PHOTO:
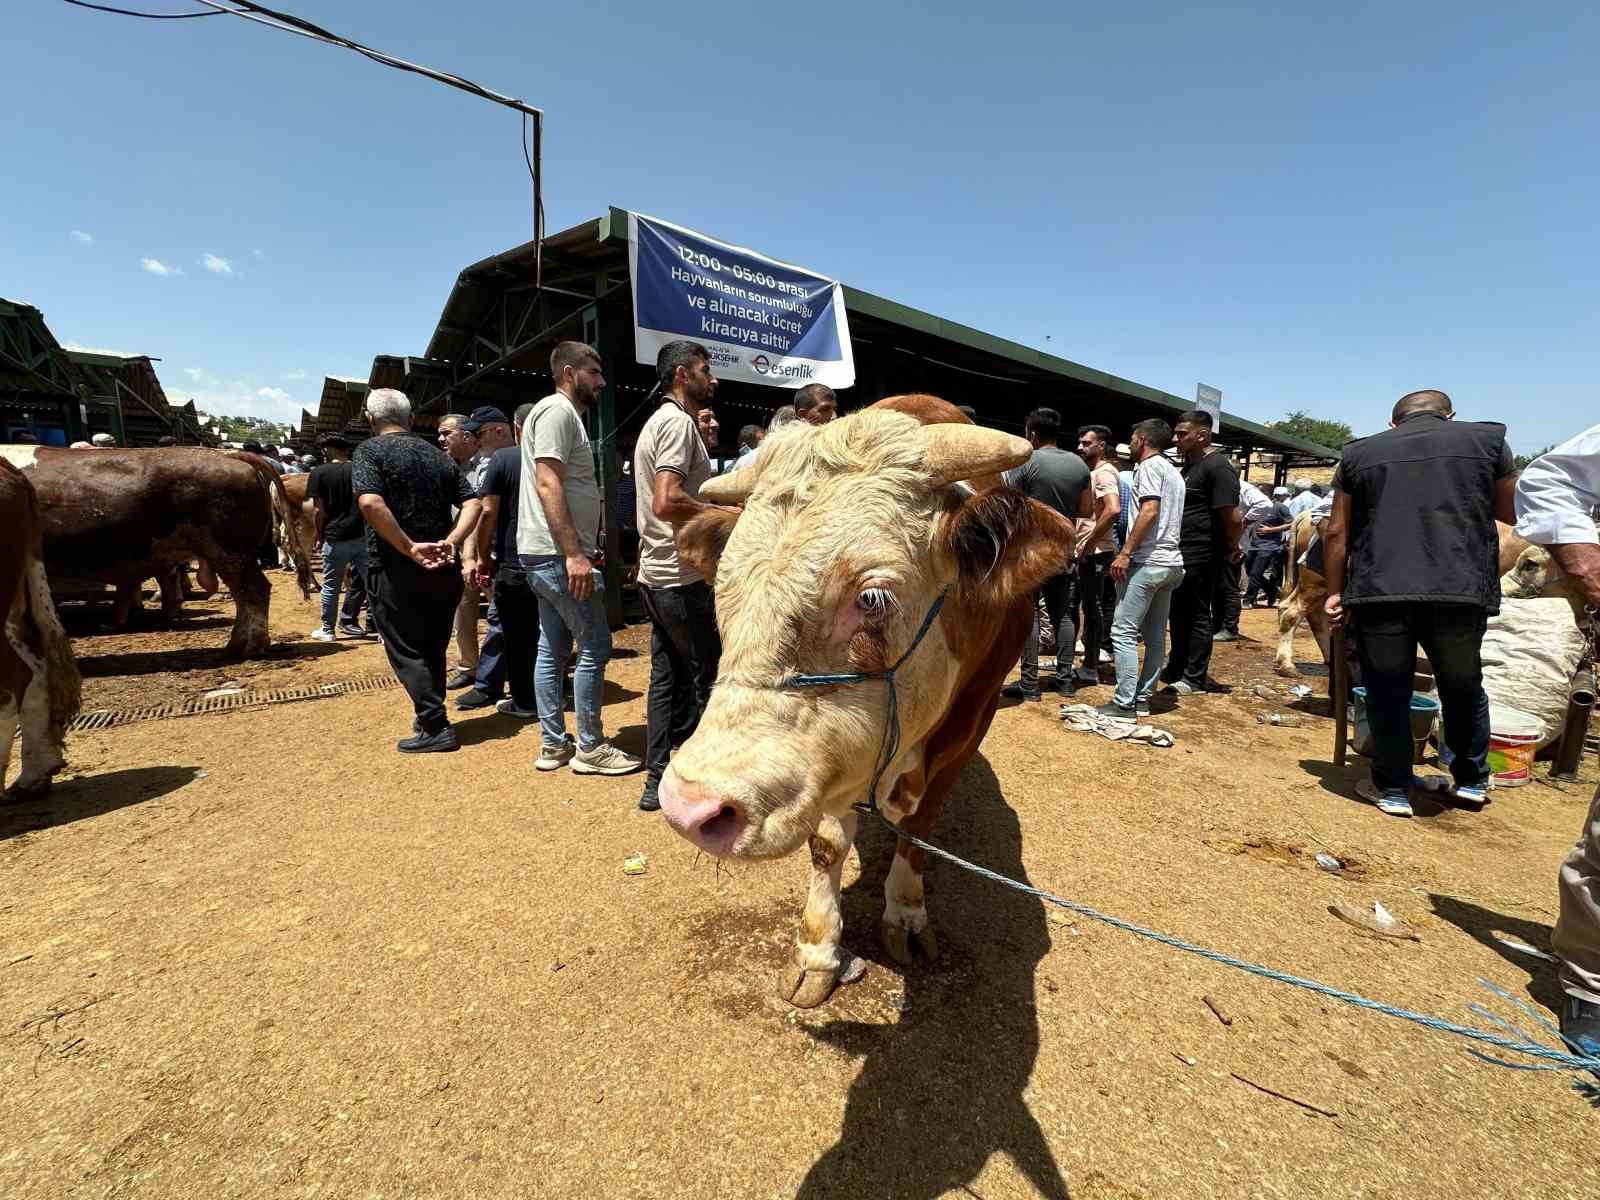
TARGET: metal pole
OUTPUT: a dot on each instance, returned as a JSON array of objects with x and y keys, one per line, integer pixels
[{"x": 602, "y": 336}]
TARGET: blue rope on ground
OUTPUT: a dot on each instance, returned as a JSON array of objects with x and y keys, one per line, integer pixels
[{"x": 1552, "y": 1060}]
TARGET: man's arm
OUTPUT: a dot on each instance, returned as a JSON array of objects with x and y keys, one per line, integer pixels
[
  {"x": 1335, "y": 533},
  {"x": 321, "y": 508},
  {"x": 549, "y": 477},
  {"x": 1581, "y": 562},
  {"x": 1232, "y": 521},
  {"x": 466, "y": 522},
  {"x": 488, "y": 518},
  {"x": 670, "y": 500},
  {"x": 1505, "y": 500},
  {"x": 1107, "y": 509},
  {"x": 377, "y": 514},
  {"x": 1143, "y": 522}
]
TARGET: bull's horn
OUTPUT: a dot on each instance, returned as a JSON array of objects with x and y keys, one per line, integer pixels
[
  {"x": 732, "y": 488},
  {"x": 960, "y": 452}
]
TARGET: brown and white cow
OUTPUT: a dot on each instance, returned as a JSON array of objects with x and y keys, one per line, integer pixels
[
  {"x": 848, "y": 534},
  {"x": 301, "y": 524},
  {"x": 39, "y": 682},
  {"x": 1531, "y": 570},
  {"x": 123, "y": 516}
]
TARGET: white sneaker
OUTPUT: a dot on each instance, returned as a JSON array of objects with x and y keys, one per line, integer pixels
[
  {"x": 509, "y": 707},
  {"x": 604, "y": 759},
  {"x": 553, "y": 758},
  {"x": 322, "y": 634}
]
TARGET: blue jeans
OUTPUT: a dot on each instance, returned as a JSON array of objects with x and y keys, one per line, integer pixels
[
  {"x": 561, "y": 620},
  {"x": 490, "y": 678},
  {"x": 1143, "y": 603},
  {"x": 335, "y": 557}
]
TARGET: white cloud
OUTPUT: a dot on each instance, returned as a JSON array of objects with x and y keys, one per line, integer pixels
[
  {"x": 97, "y": 350},
  {"x": 294, "y": 376},
  {"x": 234, "y": 397},
  {"x": 217, "y": 265},
  {"x": 156, "y": 267},
  {"x": 276, "y": 395},
  {"x": 79, "y": 235}
]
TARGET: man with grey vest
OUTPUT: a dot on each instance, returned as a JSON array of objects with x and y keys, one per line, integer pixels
[
  {"x": 1411, "y": 553},
  {"x": 1060, "y": 479}
]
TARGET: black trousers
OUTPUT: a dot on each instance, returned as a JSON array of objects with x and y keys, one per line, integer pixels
[
  {"x": 518, "y": 609},
  {"x": 1098, "y": 593},
  {"x": 1189, "y": 658},
  {"x": 1060, "y": 594},
  {"x": 685, "y": 649},
  {"x": 1387, "y": 635},
  {"x": 415, "y": 612},
  {"x": 1266, "y": 569},
  {"x": 1226, "y": 605}
]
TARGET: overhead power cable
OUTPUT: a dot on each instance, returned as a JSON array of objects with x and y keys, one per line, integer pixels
[
  {"x": 149, "y": 16},
  {"x": 289, "y": 23}
]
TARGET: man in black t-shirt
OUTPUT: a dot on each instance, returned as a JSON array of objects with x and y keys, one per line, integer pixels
[
  {"x": 511, "y": 667},
  {"x": 406, "y": 488},
  {"x": 1411, "y": 551},
  {"x": 343, "y": 537},
  {"x": 1209, "y": 540}
]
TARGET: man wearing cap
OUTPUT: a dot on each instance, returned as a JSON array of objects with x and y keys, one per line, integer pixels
[
  {"x": 508, "y": 652},
  {"x": 343, "y": 534},
  {"x": 490, "y": 431},
  {"x": 1304, "y": 497},
  {"x": 1263, "y": 558}
]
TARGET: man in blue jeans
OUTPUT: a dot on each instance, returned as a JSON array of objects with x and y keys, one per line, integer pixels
[
  {"x": 1147, "y": 572},
  {"x": 344, "y": 540},
  {"x": 558, "y": 529},
  {"x": 1411, "y": 552}
]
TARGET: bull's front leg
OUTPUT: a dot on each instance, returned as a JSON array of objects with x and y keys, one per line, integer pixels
[
  {"x": 811, "y": 977},
  {"x": 905, "y": 914},
  {"x": 1290, "y": 610}
]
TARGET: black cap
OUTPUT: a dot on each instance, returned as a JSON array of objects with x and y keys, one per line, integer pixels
[{"x": 487, "y": 415}]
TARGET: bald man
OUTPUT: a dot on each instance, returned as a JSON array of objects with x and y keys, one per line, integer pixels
[{"x": 1412, "y": 555}]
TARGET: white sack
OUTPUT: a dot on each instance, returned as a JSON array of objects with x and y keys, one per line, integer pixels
[{"x": 1530, "y": 651}]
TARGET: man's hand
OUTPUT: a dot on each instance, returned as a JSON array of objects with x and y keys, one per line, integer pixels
[
  {"x": 1334, "y": 607},
  {"x": 580, "y": 576},
  {"x": 1119, "y": 568},
  {"x": 432, "y": 555},
  {"x": 1236, "y": 554}
]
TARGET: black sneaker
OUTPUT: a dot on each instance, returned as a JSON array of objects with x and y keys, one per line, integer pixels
[
  {"x": 1015, "y": 691},
  {"x": 650, "y": 801},
  {"x": 430, "y": 743},
  {"x": 475, "y": 699},
  {"x": 354, "y": 631},
  {"x": 460, "y": 680},
  {"x": 1217, "y": 689}
]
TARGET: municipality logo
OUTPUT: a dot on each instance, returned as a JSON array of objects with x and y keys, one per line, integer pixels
[{"x": 761, "y": 363}]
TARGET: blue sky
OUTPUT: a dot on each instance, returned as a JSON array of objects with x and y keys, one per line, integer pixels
[{"x": 1308, "y": 209}]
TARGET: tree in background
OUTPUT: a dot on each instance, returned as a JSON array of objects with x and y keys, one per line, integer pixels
[
  {"x": 1522, "y": 460},
  {"x": 1332, "y": 434}
]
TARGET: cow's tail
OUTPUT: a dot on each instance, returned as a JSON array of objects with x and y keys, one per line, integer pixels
[
  {"x": 61, "y": 668},
  {"x": 1299, "y": 543},
  {"x": 282, "y": 516}
]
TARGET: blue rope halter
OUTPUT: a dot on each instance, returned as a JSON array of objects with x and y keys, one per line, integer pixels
[{"x": 890, "y": 745}]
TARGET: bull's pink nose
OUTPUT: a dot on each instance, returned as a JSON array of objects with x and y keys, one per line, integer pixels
[{"x": 708, "y": 820}]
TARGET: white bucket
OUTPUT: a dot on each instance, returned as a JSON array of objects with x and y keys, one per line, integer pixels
[{"x": 1514, "y": 738}]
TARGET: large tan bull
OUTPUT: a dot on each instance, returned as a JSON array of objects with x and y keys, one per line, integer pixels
[
  {"x": 848, "y": 535},
  {"x": 1531, "y": 570}
]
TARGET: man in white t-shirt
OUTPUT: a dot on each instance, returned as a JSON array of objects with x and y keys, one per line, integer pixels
[
  {"x": 558, "y": 531},
  {"x": 1147, "y": 571},
  {"x": 1097, "y": 546},
  {"x": 670, "y": 464}
]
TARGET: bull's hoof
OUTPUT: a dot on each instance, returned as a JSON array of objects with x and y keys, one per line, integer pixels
[
  {"x": 1289, "y": 672},
  {"x": 28, "y": 791},
  {"x": 806, "y": 988},
  {"x": 898, "y": 941}
]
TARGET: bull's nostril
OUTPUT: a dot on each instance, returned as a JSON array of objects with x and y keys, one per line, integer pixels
[{"x": 724, "y": 826}]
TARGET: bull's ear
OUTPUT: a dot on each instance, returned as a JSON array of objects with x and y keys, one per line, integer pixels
[
  {"x": 701, "y": 539},
  {"x": 959, "y": 452},
  {"x": 732, "y": 488},
  {"x": 1005, "y": 545}
]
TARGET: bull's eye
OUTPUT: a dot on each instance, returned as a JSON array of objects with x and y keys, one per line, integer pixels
[{"x": 875, "y": 601}]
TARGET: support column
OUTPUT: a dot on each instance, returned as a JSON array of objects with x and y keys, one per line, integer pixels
[{"x": 602, "y": 335}]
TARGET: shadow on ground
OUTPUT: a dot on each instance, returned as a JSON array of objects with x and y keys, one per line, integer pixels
[
  {"x": 89, "y": 796},
  {"x": 209, "y": 658},
  {"x": 940, "y": 1091},
  {"x": 1482, "y": 924}
]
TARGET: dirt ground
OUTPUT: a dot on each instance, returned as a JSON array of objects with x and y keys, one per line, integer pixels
[{"x": 261, "y": 954}]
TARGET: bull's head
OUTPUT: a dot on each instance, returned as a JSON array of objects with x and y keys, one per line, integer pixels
[{"x": 847, "y": 535}]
